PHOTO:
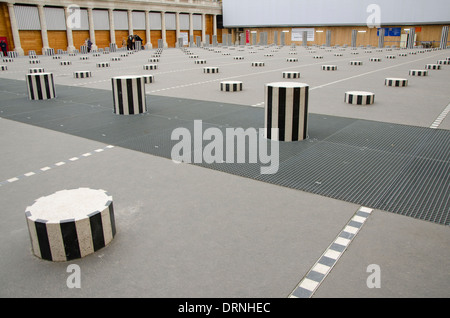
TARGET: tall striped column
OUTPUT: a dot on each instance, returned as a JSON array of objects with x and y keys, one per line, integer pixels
[
  {"x": 286, "y": 110},
  {"x": 70, "y": 224},
  {"x": 40, "y": 86},
  {"x": 444, "y": 37},
  {"x": 129, "y": 94},
  {"x": 381, "y": 38},
  {"x": 354, "y": 35},
  {"x": 411, "y": 36}
]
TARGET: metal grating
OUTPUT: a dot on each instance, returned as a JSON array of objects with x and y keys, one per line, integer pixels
[{"x": 396, "y": 168}]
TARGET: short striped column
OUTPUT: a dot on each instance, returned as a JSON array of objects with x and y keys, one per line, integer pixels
[
  {"x": 211, "y": 69},
  {"x": 356, "y": 63},
  {"x": 432, "y": 66},
  {"x": 318, "y": 56},
  {"x": 396, "y": 82},
  {"x": 329, "y": 67},
  {"x": 56, "y": 57},
  {"x": 129, "y": 94},
  {"x": 190, "y": 56},
  {"x": 286, "y": 111},
  {"x": 84, "y": 58},
  {"x": 291, "y": 74},
  {"x": 292, "y": 59},
  {"x": 200, "y": 61},
  {"x": 34, "y": 61},
  {"x": 338, "y": 54},
  {"x": 443, "y": 62},
  {"x": 418, "y": 72},
  {"x": 231, "y": 86},
  {"x": 390, "y": 57},
  {"x": 153, "y": 60},
  {"x": 375, "y": 59},
  {"x": 402, "y": 54},
  {"x": 103, "y": 64},
  {"x": 148, "y": 79},
  {"x": 36, "y": 70},
  {"x": 40, "y": 86},
  {"x": 3, "y": 68},
  {"x": 257, "y": 63},
  {"x": 150, "y": 66},
  {"x": 70, "y": 224},
  {"x": 8, "y": 59},
  {"x": 115, "y": 58},
  {"x": 359, "y": 98},
  {"x": 82, "y": 74},
  {"x": 65, "y": 63},
  {"x": 96, "y": 54},
  {"x": 238, "y": 58}
]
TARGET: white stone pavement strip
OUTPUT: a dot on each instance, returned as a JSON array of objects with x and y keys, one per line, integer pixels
[
  {"x": 50, "y": 167},
  {"x": 441, "y": 117},
  {"x": 316, "y": 275}
]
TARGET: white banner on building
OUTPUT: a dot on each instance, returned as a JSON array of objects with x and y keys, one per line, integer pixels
[{"x": 297, "y": 34}]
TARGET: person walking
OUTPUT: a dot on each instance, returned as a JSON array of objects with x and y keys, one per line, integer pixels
[{"x": 3, "y": 48}]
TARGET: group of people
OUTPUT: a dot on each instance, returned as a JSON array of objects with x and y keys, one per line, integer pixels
[{"x": 131, "y": 40}]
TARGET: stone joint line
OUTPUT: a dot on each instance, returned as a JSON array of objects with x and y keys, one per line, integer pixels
[
  {"x": 50, "y": 167},
  {"x": 317, "y": 274}
]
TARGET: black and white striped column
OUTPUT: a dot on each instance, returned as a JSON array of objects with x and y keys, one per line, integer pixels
[
  {"x": 356, "y": 63},
  {"x": 150, "y": 66},
  {"x": 396, "y": 82},
  {"x": 82, "y": 74},
  {"x": 432, "y": 66},
  {"x": 411, "y": 38},
  {"x": 40, "y": 86},
  {"x": 359, "y": 98},
  {"x": 231, "y": 86},
  {"x": 444, "y": 37},
  {"x": 257, "y": 64},
  {"x": 418, "y": 72},
  {"x": 211, "y": 69},
  {"x": 3, "y": 68},
  {"x": 70, "y": 224},
  {"x": 381, "y": 38},
  {"x": 129, "y": 95},
  {"x": 329, "y": 67},
  {"x": 286, "y": 111},
  {"x": 291, "y": 74},
  {"x": 328, "y": 38},
  {"x": 36, "y": 70},
  {"x": 103, "y": 64},
  {"x": 354, "y": 35}
]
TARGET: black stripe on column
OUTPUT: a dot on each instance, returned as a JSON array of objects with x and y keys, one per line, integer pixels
[
  {"x": 359, "y": 99},
  {"x": 281, "y": 113},
  {"x": 38, "y": 86},
  {"x": 114, "y": 94},
  {"x": 120, "y": 95},
  {"x": 139, "y": 93},
  {"x": 130, "y": 95},
  {"x": 70, "y": 239},
  {"x": 47, "y": 85},
  {"x": 44, "y": 244},
  {"x": 30, "y": 86},
  {"x": 305, "y": 119},
  {"x": 269, "y": 112},
  {"x": 296, "y": 114},
  {"x": 112, "y": 219},
  {"x": 95, "y": 220}
]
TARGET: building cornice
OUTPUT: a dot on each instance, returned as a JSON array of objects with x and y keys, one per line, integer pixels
[{"x": 196, "y": 6}]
